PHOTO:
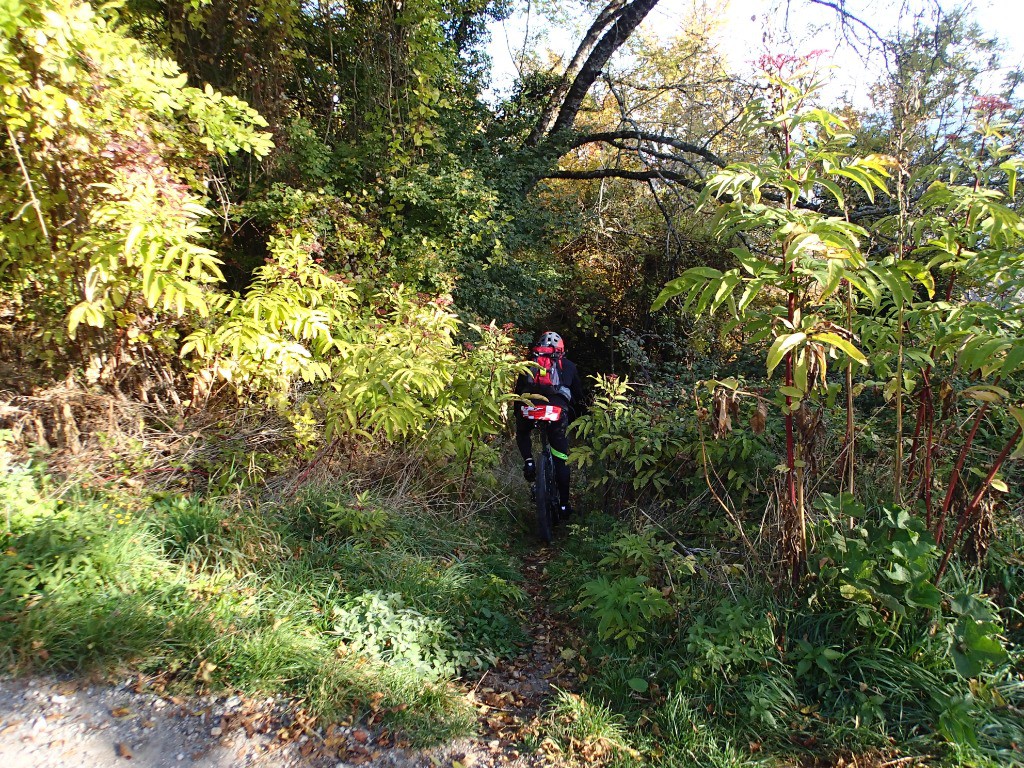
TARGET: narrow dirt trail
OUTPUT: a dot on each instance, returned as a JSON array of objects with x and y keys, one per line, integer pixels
[
  {"x": 511, "y": 697},
  {"x": 67, "y": 722}
]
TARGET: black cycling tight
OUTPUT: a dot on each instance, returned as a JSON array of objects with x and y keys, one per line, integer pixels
[{"x": 559, "y": 442}]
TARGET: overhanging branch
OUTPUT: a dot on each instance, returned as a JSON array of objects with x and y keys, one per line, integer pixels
[
  {"x": 610, "y": 13},
  {"x": 696, "y": 185},
  {"x": 655, "y": 138},
  {"x": 623, "y": 173},
  {"x": 626, "y": 19}
]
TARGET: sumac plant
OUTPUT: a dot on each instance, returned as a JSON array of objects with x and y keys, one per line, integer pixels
[
  {"x": 346, "y": 363},
  {"x": 817, "y": 289},
  {"x": 105, "y": 156}
]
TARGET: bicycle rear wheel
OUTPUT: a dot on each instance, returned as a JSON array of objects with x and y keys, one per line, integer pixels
[
  {"x": 553, "y": 500},
  {"x": 544, "y": 484}
]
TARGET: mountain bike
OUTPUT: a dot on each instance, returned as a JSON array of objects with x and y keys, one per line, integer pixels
[{"x": 544, "y": 491}]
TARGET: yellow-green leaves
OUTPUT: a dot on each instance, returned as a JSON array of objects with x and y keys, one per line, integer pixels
[
  {"x": 870, "y": 173},
  {"x": 843, "y": 345},
  {"x": 112, "y": 150},
  {"x": 384, "y": 366},
  {"x": 781, "y": 347},
  {"x": 702, "y": 288}
]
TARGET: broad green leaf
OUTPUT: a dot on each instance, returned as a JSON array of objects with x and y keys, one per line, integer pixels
[
  {"x": 75, "y": 317},
  {"x": 839, "y": 342},
  {"x": 835, "y": 189},
  {"x": 781, "y": 346},
  {"x": 1014, "y": 358}
]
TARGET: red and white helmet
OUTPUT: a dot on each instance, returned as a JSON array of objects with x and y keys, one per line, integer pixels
[{"x": 550, "y": 339}]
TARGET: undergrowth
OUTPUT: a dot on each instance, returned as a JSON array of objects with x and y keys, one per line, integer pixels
[
  {"x": 355, "y": 603},
  {"x": 726, "y": 668}
]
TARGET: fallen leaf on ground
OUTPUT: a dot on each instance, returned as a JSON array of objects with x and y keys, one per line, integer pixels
[{"x": 123, "y": 750}]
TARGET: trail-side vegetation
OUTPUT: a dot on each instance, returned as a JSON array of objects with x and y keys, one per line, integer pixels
[
  {"x": 348, "y": 599},
  {"x": 901, "y": 622},
  {"x": 265, "y": 276}
]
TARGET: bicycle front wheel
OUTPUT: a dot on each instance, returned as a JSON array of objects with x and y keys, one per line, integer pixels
[{"x": 544, "y": 483}]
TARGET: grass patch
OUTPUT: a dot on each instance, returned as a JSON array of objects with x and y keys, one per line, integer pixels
[
  {"x": 347, "y": 601},
  {"x": 588, "y": 731}
]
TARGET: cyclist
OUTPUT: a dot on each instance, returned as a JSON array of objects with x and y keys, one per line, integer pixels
[{"x": 555, "y": 378}]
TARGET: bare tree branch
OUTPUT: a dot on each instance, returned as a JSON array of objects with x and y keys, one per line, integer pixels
[
  {"x": 846, "y": 18},
  {"x": 695, "y": 185},
  {"x": 655, "y": 138},
  {"x": 583, "y": 51},
  {"x": 623, "y": 173},
  {"x": 667, "y": 156}
]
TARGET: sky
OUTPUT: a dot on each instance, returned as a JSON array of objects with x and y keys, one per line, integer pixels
[{"x": 744, "y": 25}]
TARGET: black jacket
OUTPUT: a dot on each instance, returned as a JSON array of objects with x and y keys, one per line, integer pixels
[{"x": 570, "y": 379}]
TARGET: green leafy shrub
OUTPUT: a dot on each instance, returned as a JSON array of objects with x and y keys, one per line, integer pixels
[
  {"x": 734, "y": 639},
  {"x": 386, "y": 365},
  {"x": 640, "y": 446},
  {"x": 624, "y": 607},
  {"x": 626, "y": 446},
  {"x": 885, "y": 565},
  {"x": 344, "y": 231},
  {"x": 104, "y": 184},
  {"x": 358, "y": 518},
  {"x": 883, "y": 571},
  {"x": 643, "y": 553},
  {"x": 383, "y": 628}
]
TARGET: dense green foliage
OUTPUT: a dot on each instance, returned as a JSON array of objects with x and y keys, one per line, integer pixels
[
  {"x": 103, "y": 217},
  {"x": 806, "y": 503},
  {"x": 882, "y": 639},
  {"x": 867, "y": 654}
]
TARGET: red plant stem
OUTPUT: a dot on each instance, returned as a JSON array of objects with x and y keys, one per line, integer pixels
[
  {"x": 928, "y": 413},
  {"x": 952, "y": 279},
  {"x": 321, "y": 455},
  {"x": 790, "y": 439},
  {"x": 968, "y": 513},
  {"x": 926, "y": 472},
  {"x": 954, "y": 477},
  {"x": 791, "y": 448},
  {"x": 917, "y": 439},
  {"x": 795, "y": 502},
  {"x": 927, "y": 410}
]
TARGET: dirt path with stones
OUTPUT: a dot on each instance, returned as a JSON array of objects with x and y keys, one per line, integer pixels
[
  {"x": 66, "y": 722},
  {"x": 511, "y": 697}
]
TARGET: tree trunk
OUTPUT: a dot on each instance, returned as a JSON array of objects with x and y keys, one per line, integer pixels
[{"x": 591, "y": 56}]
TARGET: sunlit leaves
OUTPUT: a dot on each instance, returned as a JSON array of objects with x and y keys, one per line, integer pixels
[
  {"x": 383, "y": 366},
  {"x": 102, "y": 225},
  {"x": 806, "y": 254},
  {"x": 781, "y": 347}
]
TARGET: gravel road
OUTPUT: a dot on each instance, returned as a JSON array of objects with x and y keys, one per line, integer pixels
[{"x": 49, "y": 722}]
